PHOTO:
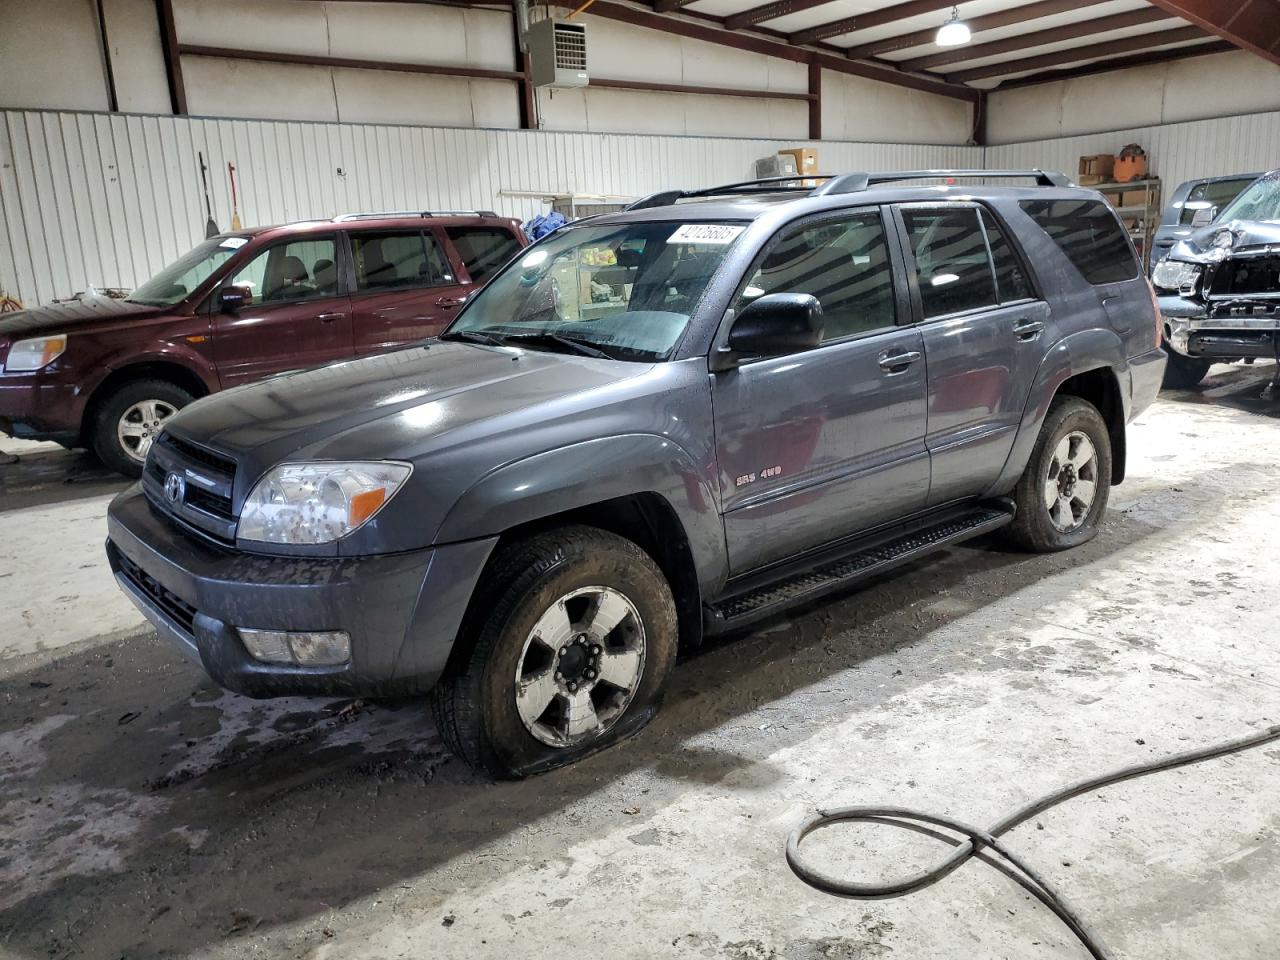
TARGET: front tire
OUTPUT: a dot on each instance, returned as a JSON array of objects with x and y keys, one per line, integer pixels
[
  {"x": 571, "y": 654},
  {"x": 128, "y": 421},
  {"x": 1063, "y": 491},
  {"x": 1183, "y": 373}
]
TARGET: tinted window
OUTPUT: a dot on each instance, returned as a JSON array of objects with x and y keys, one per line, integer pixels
[
  {"x": 1089, "y": 234},
  {"x": 1011, "y": 281},
  {"x": 297, "y": 270},
  {"x": 1206, "y": 196},
  {"x": 482, "y": 249},
  {"x": 394, "y": 261},
  {"x": 952, "y": 265},
  {"x": 844, "y": 263}
]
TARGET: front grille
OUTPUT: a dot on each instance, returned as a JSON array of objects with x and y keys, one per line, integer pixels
[
  {"x": 189, "y": 451},
  {"x": 202, "y": 502},
  {"x": 1247, "y": 276},
  {"x": 173, "y": 606}
]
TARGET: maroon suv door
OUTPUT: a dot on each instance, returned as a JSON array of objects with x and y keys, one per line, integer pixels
[
  {"x": 299, "y": 315},
  {"x": 406, "y": 288}
]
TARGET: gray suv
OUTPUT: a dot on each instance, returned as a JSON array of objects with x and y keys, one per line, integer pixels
[{"x": 650, "y": 427}]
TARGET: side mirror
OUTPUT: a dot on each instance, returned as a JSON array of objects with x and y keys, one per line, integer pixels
[
  {"x": 1204, "y": 216},
  {"x": 235, "y": 296},
  {"x": 773, "y": 325}
]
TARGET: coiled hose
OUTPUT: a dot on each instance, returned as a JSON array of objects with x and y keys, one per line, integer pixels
[{"x": 978, "y": 838}]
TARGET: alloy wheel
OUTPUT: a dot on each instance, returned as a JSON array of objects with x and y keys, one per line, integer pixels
[
  {"x": 1071, "y": 481},
  {"x": 140, "y": 424},
  {"x": 580, "y": 666}
]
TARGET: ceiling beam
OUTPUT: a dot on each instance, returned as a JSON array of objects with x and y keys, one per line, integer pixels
[
  {"x": 1119, "y": 63},
  {"x": 875, "y": 18},
  {"x": 1038, "y": 38},
  {"x": 1093, "y": 51},
  {"x": 1252, "y": 25},
  {"x": 695, "y": 30},
  {"x": 770, "y": 11},
  {"x": 992, "y": 21}
]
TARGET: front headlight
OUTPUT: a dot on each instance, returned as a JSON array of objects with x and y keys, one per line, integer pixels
[
  {"x": 1175, "y": 274},
  {"x": 35, "y": 354},
  {"x": 318, "y": 502}
]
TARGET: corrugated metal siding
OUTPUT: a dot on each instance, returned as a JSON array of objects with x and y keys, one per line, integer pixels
[
  {"x": 110, "y": 199},
  {"x": 1176, "y": 151}
]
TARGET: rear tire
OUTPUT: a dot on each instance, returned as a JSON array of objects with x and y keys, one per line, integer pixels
[
  {"x": 569, "y": 654},
  {"x": 129, "y": 419},
  {"x": 1063, "y": 491},
  {"x": 1183, "y": 373}
]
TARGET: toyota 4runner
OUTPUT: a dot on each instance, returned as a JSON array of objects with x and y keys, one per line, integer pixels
[{"x": 651, "y": 426}]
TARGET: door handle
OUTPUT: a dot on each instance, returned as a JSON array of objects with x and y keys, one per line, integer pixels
[
  {"x": 451, "y": 301},
  {"x": 330, "y": 317},
  {"x": 1028, "y": 330},
  {"x": 892, "y": 363}
]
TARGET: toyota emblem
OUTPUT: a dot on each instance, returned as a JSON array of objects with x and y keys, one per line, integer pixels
[{"x": 174, "y": 488}]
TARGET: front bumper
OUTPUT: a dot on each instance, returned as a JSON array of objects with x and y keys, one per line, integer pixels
[
  {"x": 402, "y": 611},
  {"x": 33, "y": 408},
  {"x": 1191, "y": 333}
]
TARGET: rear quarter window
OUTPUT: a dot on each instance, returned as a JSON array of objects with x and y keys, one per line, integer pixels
[{"x": 1090, "y": 236}]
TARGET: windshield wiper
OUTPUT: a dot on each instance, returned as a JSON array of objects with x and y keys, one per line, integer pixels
[
  {"x": 472, "y": 336},
  {"x": 575, "y": 345}
]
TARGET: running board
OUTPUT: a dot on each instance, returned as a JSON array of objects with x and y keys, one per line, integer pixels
[{"x": 865, "y": 561}]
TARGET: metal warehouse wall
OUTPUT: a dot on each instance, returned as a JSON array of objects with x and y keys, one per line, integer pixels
[
  {"x": 1176, "y": 151},
  {"x": 109, "y": 199}
]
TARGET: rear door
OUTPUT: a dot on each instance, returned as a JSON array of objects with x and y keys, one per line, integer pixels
[
  {"x": 299, "y": 315},
  {"x": 404, "y": 288},
  {"x": 815, "y": 446},
  {"x": 983, "y": 330}
]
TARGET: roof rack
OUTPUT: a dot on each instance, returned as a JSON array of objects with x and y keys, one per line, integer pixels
[
  {"x": 384, "y": 214},
  {"x": 845, "y": 183}
]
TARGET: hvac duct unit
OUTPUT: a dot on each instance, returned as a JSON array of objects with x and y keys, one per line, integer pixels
[{"x": 558, "y": 50}]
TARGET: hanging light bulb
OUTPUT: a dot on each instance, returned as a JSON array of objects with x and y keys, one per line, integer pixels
[{"x": 954, "y": 32}]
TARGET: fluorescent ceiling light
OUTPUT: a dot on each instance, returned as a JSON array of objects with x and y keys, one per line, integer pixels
[{"x": 954, "y": 32}]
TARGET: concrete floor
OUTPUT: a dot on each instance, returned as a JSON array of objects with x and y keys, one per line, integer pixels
[{"x": 145, "y": 813}]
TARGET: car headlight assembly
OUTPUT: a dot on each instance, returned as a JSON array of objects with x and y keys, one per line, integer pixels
[
  {"x": 35, "y": 354},
  {"x": 1175, "y": 274},
  {"x": 319, "y": 502}
]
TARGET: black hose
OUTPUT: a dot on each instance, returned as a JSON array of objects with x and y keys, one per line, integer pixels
[{"x": 978, "y": 838}]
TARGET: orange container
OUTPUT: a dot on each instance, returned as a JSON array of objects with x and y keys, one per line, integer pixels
[{"x": 1131, "y": 164}]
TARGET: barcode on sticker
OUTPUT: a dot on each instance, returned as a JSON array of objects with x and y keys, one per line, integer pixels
[
  {"x": 705, "y": 233},
  {"x": 233, "y": 243}
]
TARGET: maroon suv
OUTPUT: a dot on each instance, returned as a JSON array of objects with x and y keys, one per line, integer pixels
[{"x": 241, "y": 306}]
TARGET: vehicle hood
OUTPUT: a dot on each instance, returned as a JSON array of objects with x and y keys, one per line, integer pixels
[
  {"x": 1209, "y": 244},
  {"x": 396, "y": 406},
  {"x": 65, "y": 317}
]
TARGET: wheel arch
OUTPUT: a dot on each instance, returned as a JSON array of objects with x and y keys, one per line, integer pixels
[
  {"x": 176, "y": 373},
  {"x": 1090, "y": 364}
]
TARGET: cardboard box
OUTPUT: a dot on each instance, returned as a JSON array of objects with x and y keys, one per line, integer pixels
[
  {"x": 1097, "y": 168},
  {"x": 806, "y": 159}
]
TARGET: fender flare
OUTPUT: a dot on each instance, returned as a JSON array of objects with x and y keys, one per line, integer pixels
[
  {"x": 583, "y": 474},
  {"x": 1077, "y": 353}
]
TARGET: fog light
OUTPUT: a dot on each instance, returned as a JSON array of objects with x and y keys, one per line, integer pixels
[{"x": 307, "y": 649}]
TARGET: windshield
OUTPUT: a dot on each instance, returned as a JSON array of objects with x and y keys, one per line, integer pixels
[
  {"x": 177, "y": 280},
  {"x": 626, "y": 292},
  {"x": 1261, "y": 201}
]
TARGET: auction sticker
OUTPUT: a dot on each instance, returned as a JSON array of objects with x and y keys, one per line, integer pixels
[
  {"x": 714, "y": 233},
  {"x": 234, "y": 243}
]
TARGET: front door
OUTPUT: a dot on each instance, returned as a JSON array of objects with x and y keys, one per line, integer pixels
[
  {"x": 984, "y": 330},
  {"x": 405, "y": 290},
  {"x": 298, "y": 314},
  {"x": 819, "y": 445}
]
